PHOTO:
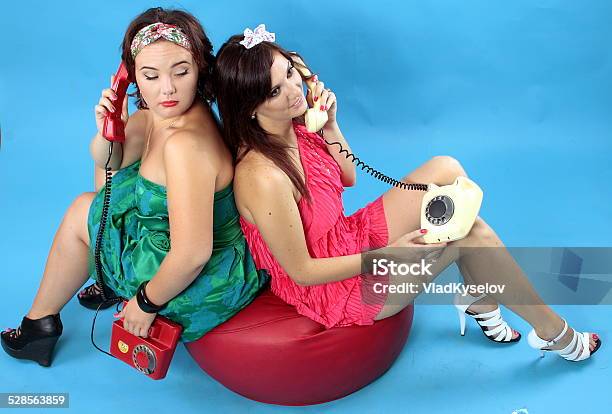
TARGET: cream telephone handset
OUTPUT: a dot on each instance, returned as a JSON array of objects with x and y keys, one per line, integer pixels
[
  {"x": 448, "y": 212},
  {"x": 315, "y": 118}
]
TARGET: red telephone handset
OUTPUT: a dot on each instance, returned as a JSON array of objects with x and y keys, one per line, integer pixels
[{"x": 114, "y": 129}]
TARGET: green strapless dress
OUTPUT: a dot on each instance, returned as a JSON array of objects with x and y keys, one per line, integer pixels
[{"x": 137, "y": 238}]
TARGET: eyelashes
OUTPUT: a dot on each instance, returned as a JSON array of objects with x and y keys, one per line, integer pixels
[{"x": 155, "y": 77}]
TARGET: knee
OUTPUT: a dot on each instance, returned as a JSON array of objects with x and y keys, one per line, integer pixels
[
  {"x": 448, "y": 168},
  {"x": 482, "y": 234}
]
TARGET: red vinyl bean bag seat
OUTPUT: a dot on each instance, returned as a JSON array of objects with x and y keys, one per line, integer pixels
[{"x": 270, "y": 353}]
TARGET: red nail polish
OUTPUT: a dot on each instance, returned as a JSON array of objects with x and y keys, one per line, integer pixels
[
  {"x": 116, "y": 315},
  {"x": 323, "y": 108},
  {"x": 316, "y": 98},
  {"x": 595, "y": 336},
  {"x": 423, "y": 231}
]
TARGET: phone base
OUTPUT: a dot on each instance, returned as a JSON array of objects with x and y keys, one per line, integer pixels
[
  {"x": 449, "y": 212},
  {"x": 151, "y": 355}
]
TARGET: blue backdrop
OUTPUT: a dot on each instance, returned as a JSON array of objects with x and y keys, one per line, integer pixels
[{"x": 520, "y": 92}]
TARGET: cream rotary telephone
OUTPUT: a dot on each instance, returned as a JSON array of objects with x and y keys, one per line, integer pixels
[{"x": 447, "y": 212}]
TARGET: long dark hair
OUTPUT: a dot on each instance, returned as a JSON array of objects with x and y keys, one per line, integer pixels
[
  {"x": 242, "y": 81},
  {"x": 201, "y": 47}
]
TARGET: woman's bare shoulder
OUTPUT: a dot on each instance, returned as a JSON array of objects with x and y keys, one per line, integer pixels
[
  {"x": 200, "y": 131},
  {"x": 258, "y": 182},
  {"x": 257, "y": 177},
  {"x": 135, "y": 131},
  {"x": 255, "y": 168}
]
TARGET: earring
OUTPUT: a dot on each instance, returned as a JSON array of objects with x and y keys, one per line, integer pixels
[{"x": 253, "y": 116}]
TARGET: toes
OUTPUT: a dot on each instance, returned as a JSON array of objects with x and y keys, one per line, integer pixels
[{"x": 593, "y": 341}]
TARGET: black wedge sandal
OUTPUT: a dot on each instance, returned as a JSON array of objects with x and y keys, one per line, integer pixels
[
  {"x": 90, "y": 297},
  {"x": 35, "y": 339}
]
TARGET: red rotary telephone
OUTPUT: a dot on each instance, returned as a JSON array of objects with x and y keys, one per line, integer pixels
[{"x": 151, "y": 355}]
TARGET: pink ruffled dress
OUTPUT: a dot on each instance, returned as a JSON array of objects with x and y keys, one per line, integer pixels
[{"x": 329, "y": 233}]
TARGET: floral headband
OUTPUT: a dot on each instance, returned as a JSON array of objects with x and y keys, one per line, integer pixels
[
  {"x": 156, "y": 31},
  {"x": 253, "y": 38}
]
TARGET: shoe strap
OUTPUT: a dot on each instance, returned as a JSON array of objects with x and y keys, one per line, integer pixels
[
  {"x": 91, "y": 290},
  {"x": 500, "y": 328},
  {"x": 13, "y": 333},
  {"x": 558, "y": 338},
  {"x": 578, "y": 348},
  {"x": 536, "y": 342},
  {"x": 490, "y": 318},
  {"x": 462, "y": 302}
]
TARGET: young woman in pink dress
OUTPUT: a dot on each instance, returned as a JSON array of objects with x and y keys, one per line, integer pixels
[{"x": 289, "y": 183}]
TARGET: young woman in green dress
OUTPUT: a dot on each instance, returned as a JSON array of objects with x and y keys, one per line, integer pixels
[{"x": 173, "y": 231}]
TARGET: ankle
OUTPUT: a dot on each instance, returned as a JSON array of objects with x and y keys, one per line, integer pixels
[
  {"x": 484, "y": 303},
  {"x": 34, "y": 315},
  {"x": 551, "y": 329}
]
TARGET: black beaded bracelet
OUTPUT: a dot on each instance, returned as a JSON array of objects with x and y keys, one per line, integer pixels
[{"x": 143, "y": 301}]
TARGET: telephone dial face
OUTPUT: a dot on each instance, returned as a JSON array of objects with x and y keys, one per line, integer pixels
[
  {"x": 440, "y": 210},
  {"x": 448, "y": 212}
]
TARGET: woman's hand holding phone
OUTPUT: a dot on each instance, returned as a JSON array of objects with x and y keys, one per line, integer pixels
[
  {"x": 107, "y": 104},
  {"x": 321, "y": 101},
  {"x": 320, "y": 98},
  {"x": 411, "y": 248}
]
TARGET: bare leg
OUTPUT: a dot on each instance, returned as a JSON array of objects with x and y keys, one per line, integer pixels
[
  {"x": 66, "y": 268},
  {"x": 402, "y": 210},
  {"x": 519, "y": 295}
]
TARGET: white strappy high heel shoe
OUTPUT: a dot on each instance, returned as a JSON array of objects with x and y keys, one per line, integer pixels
[
  {"x": 492, "y": 324},
  {"x": 577, "y": 350}
]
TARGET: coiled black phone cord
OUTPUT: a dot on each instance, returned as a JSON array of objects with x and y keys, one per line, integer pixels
[
  {"x": 374, "y": 172},
  {"x": 98, "y": 262}
]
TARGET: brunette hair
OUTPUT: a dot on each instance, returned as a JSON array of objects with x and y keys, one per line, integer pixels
[
  {"x": 201, "y": 47},
  {"x": 242, "y": 81}
]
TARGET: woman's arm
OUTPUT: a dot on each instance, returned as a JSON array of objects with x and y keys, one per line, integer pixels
[
  {"x": 268, "y": 196},
  {"x": 99, "y": 150},
  {"x": 123, "y": 154},
  {"x": 190, "y": 181},
  {"x": 99, "y": 178},
  {"x": 332, "y": 133}
]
